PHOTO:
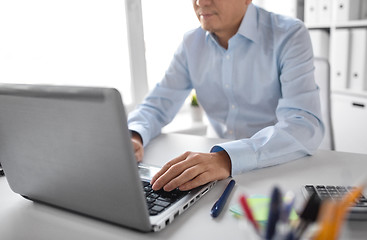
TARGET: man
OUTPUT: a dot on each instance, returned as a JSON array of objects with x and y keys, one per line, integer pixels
[{"x": 253, "y": 74}]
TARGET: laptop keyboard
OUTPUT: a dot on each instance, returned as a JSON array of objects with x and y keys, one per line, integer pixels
[{"x": 158, "y": 201}]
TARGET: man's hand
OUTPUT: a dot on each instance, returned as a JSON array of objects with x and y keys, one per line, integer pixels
[
  {"x": 138, "y": 146},
  {"x": 191, "y": 170}
]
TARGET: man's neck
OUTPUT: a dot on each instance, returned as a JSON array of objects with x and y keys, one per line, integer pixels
[
  {"x": 224, "y": 36},
  {"x": 223, "y": 39}
]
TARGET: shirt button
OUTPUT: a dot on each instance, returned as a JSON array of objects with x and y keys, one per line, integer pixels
[
  {"x": 230, "y": 132},
  {"x": 233, "y": 106},
  {"x": 227, "y": 86},
  {"x": 228, "y": 57}
]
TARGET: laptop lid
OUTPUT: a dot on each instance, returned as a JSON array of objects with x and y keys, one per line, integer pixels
[{"x": 70, "y": 147}]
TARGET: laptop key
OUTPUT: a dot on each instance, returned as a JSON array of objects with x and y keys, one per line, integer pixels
[
  {"x": 150, "y": 205},
  {"x": 166, "y": 199},
  {"x": 162, "y": 203},
  {"x": 152, "y": 213},
  {"x": 150, "y": 200},
  {"x": 153, "y": 195},
  {"x": 157, "y": 208}
]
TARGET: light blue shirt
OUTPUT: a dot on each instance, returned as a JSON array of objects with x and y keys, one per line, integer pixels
[{"x": 260, "y": 92}]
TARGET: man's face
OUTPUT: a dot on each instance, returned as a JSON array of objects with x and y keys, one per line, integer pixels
[{"x": 220, "y": 16}]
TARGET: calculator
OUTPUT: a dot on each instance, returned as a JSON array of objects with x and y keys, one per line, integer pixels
[{"x": 335, "y": 192}]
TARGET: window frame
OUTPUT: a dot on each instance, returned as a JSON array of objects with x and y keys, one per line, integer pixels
[{"x": 135, "y": 35}]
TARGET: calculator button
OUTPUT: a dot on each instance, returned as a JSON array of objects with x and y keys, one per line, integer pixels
[
  {"x": 310, "y": 189},
  {"x": 361, "y": 204}
]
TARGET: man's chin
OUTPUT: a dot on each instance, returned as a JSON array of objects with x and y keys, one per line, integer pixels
[{"x": 208, "y": 28}]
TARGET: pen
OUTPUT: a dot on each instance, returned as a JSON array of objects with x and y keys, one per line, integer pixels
[
  {"x": 218, "y": 205},
  {"x": 247, "y": 210},
  {"x": 283, "y": 228},
  {"x": 274, "y": 212},
  {"x": 308, "y": 215}
]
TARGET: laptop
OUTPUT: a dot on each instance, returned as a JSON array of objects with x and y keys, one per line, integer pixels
[{"x": 70, "y": 147}]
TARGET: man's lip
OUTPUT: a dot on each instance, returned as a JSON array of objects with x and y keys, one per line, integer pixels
[{"x": 205, "y": 15}]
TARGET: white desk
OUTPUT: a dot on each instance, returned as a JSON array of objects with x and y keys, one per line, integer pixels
[{"x": 23, "y": 219}]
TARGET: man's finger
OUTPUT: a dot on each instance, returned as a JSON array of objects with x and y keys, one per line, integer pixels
[
  {"x": 186, "y": 176},
  {"x": 138, "y": 150},
  {"x": 196, "y": 182},
  {"x": 175, "y": 168},
  {"x": 167, "y": 166},
  {"x": 171, "y": 173},
  {"x": 138, "y": 156}
]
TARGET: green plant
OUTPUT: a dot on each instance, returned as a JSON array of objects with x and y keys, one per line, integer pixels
[{"x": 194, "y": 100}]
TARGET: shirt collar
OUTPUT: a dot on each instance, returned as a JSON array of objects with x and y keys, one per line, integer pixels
[{"x": 248, "y": 26}]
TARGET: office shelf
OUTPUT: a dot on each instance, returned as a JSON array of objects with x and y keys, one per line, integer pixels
[
  {"x": 318, "y": 26},
  {"x": 348, "y": 102},
  {"x": 347, "y": 24},
  {"x": 352, "y": 24},
  {"x": 348, "y": 92}
]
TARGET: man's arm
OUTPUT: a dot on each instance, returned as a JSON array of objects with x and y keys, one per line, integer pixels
[
  {"x": 299, "y": 130},
  {"x": 164, "y": 101}
]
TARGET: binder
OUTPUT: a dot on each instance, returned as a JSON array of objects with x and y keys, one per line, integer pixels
[
  {"x": 347, "y": 10},
  {"x": 320, "y": 43},
  {"x": 340, "y": 59},
  {"x": 312, "y": 11},
  {"x": 324, "y": 10},
  {"x": 357, "y": 77}
]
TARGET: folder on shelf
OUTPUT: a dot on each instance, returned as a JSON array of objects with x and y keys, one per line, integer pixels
[
  {"x": 320, "y": 43},
  {"x": 340, "y": 59},
  {"x": 364, "y": 9},
  {"x": 347, "y": 10},
  {"x": 311, "y": 11},
  {"x": 324, "y": 11},
  {"x": 357, "y": 77}
]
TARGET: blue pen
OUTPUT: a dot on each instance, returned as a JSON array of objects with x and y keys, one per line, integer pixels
[
  {"x": 274, "y": 213},
  {"x": 286, "y": 210},
  {"x": 218, "y": 205},
  {"x": 283, "y": 229}
]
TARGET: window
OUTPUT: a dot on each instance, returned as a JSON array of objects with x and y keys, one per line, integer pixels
[
  {"x": 87, "y": 42},
  {"x": 71, "y": 42},
  {"x": 165, "y": 23}
]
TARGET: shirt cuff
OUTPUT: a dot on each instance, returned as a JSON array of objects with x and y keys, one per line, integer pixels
[
  {"x": 243, "y": 157},
  {"x": 143, "y": 134}
]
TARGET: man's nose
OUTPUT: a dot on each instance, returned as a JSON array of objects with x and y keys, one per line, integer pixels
[{"x": 202, "y": 3}]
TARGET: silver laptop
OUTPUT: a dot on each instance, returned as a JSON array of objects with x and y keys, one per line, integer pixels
[{"x": 70, "y": 147}]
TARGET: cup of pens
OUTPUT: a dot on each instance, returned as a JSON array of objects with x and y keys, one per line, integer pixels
[{"x": 317, "y": 220}]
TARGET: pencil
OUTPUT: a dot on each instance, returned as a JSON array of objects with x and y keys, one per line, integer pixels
[{"x": 248, "y": 212}]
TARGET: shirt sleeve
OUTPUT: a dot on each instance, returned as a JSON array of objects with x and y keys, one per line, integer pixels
[
  {"x": 299, "y": 130},
  {"x": 164, "y": 101}
]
